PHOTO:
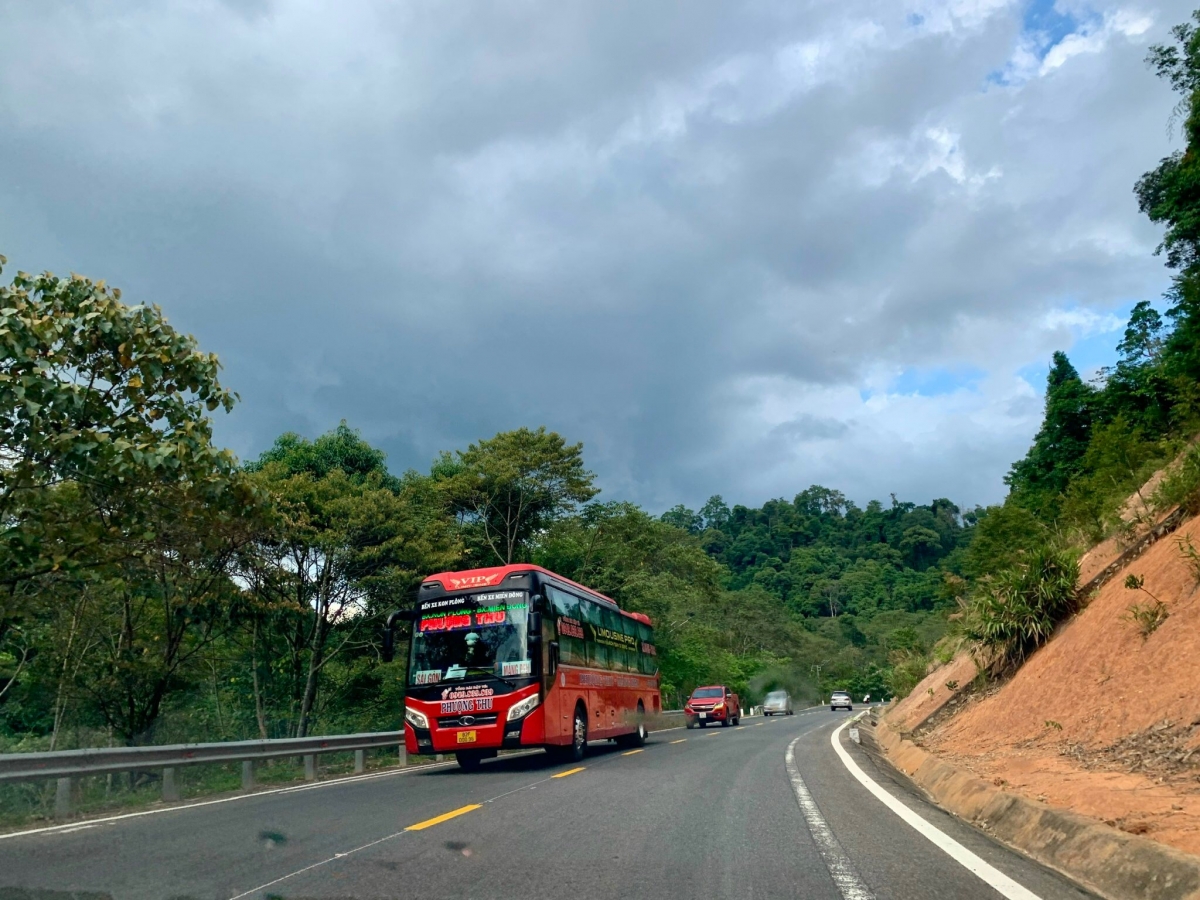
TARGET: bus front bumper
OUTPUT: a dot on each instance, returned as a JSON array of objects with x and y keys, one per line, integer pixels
[{"x": 524, "y": 732}]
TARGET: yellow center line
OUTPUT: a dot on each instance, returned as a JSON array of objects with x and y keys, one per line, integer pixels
[
  {"x": 437, "y": 820},
  {"x": 714, "y": 734},
  {"x": 631, "y": 752},
  {"x": 680, "y": 741},
  {"x": 569, "y": 772}
]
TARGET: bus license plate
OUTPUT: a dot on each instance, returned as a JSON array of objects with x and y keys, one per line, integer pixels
[
  {"x": 704, "y": 715},
  {"x": 466, "y": 737}
]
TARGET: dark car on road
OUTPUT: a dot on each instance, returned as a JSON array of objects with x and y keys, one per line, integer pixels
[{"x": 714, "y": 703}]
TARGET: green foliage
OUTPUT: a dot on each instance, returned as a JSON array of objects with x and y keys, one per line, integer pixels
[
  {"x": 508, "y": 488},
  {"x": 341, "y": 450},
  {"x": 1038, "y": 480},
  {"x": 1181, "y": 484},
  {"x": 1015, "y": 611},
  {"x": 1004, "y": 535},
  {"x": 1170, "y": 193},
  {"x": 350, "y": 541},
  {"x": 101, "y": 405},
  {"x": 1147, "y": 616},
  {"x": 907, "y": 669},
  {"x": 1191, "y": 556}
]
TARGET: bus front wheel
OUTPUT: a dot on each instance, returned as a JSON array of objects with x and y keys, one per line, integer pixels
[{"x": 468, "y": 761}]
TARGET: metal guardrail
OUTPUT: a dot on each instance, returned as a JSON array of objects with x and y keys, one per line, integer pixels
[
  {"x": 67, "y": 765},
  {"x": 101, "y": 761}
]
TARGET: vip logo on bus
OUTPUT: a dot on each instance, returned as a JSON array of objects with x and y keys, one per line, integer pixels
[{"x": 476, "y": 580}]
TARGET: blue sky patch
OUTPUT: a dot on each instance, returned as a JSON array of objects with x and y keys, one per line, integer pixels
[
  {"x": 936, "y": 381},
  {"x": 1088, "y": 353},
  {"x": 1043, "y": 27},
  {"x": 1048, "y": 24}
]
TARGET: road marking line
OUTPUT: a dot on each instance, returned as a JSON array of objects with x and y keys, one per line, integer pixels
[
  {"x": 315, "y": 865},
  {"x": 631, "y": 752},
  {"x": 680, "y": 741},
  {"x": 397, "y": 834},
  {"x": 841, "y": 870},
  {"x": 183, "y": 807},
  {"x": 444, "y": 817},
  {"x": 990, "y": 875},
  {"x": 569, "y": 772}
]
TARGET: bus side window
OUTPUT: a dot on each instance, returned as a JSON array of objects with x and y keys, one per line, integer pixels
[
  {"x": 598, "y": 656},
  {"x": 630, "y": 628},
  {"x": 616, "y": 655},
  {"x": 571, "y": 651},
  {"x": 647, "y": 663}
]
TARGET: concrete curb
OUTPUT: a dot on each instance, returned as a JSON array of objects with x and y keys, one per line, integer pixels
[{"x": 1113, "y": 864}]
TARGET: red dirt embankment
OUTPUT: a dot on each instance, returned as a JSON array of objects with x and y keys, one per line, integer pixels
[{"x": 1102, "y": 720}]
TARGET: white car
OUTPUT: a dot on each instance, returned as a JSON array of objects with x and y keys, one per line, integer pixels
[
  {"x": 778, "y": 703},
  {"x": 840, "y": 700}
]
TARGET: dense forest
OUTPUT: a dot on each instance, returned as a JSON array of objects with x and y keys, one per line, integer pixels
[{"x": 155, "y": 589}]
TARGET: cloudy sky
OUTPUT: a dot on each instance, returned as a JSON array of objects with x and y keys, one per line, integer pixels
[{"x": 734, "y": 248}]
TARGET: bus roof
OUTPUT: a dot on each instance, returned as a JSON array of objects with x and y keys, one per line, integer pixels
[{"x": 469, "y": 578}]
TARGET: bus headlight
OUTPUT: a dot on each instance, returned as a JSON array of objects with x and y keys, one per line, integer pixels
[
  {"x": 524, "y": 707},
  {"x": 415, "y": 719}
]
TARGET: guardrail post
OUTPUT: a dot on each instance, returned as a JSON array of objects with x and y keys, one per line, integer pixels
[
  {"x": 170, "y": 790},
  {"x": 247, "y": 774},
  {"x": 310, "y": 767},
  {"x": 360, "y": 761},
  {"x": 62, "y": 799}
]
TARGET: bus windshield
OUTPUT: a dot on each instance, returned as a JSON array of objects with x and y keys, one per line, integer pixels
[{"x": 473, "y": 636}]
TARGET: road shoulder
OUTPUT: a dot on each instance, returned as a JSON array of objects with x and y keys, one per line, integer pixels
[{"x": 1113, "y": 864}]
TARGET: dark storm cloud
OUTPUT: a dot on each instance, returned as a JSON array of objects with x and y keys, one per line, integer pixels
[{"x": 707, "y": 240}]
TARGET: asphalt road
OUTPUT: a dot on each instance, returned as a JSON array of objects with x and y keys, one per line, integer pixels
[{"x": 702, "y": 813}]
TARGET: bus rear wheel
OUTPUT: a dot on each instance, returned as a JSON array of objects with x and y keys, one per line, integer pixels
[
  {"x": 638, "y": 738},
  {"x": 578, "y": 736}
]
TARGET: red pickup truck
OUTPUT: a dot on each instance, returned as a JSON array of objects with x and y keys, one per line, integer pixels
[{"x": 714, "y": 703}]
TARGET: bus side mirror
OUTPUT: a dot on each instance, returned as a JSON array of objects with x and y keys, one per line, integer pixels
[
  {"x": 553, "y": 657},
  {"x": 389, "y": 645},
  {"x": 535, "y": 626},
  {"x": 388, "y": 653}
]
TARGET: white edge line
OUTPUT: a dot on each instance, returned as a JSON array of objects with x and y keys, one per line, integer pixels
[
  {"x": 986, "y": 872},
  {"x": 841, "y": 870}
]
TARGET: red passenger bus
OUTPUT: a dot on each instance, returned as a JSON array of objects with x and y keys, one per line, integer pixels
[{"x": 516, "y": 656}]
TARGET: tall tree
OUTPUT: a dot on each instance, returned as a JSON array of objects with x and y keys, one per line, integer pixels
[
  {"x": 101, "y": 404},
  {"x": 1170, "y": 193},
  {"x": 1043, "y": 475},
  {"x": 508, "y": 488},
  {"x": 353, "y": 541}
]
